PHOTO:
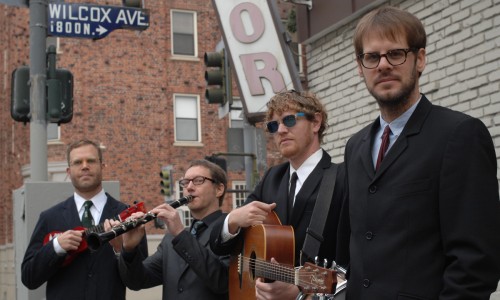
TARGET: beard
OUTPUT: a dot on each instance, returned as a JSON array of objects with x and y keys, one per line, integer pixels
[{"x": 398, "y": 100}]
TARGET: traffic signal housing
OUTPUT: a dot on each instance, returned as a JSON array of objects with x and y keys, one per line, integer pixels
[
  {"x": 132, "y": 3},
  {"x": 20, "y": 95},
  {"x": 166, "y": 182},
  {"x": 58, "y": 92},
  {"x": 60, "y": 97},
  {"x": 218, "y": 78}
]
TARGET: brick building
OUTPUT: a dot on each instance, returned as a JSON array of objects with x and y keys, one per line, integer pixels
[{"x": 140, "y": 94}]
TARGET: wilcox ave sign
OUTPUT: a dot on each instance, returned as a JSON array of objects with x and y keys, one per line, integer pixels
[{"x": 93, "y": 21}]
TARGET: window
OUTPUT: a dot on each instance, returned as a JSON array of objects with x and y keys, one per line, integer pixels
[
  {"x": 184, "y": 212},
  {"x": 239, "y": 197},
  {"x": 53, "y": 132},
  {"x": 183, "y": 32},
  {"x": 187, "y": 121}
]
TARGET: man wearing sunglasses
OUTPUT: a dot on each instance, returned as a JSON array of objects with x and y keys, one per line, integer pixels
[
  {"x": 423, "y": 192},
  {"x": 297, "y": 123}
]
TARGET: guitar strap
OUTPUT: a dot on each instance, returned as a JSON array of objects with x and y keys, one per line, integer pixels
[{"x": 314, "y": 236}]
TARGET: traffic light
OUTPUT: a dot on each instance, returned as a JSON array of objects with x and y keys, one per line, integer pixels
[
  {"x": 217, "y": 74},
  {"x": 132, "y": 3},
  {"x": 59, "y": 92},
  {"x": 166, "y": 182},
  {"x": 60, "y": 97},
  {"x": 20, "y": 95}
]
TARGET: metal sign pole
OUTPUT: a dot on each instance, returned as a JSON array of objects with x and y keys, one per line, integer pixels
[{"x": 38, "y": 73}]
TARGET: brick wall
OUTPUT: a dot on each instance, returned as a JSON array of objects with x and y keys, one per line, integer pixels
[
  {"x": 462, "y": 72},
  {"x": 124, "y": 87}
]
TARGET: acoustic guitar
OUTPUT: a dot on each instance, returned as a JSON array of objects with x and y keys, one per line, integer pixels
[
  {"x": 96, "y": 228},
  {"x": 260, "y": 244}
]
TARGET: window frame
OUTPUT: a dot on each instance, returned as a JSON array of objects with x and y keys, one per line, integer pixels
[
  {"x": 235, "y": 184},
  {"x": 198, "y": 120},
  {"x": 195, "y": 34}
]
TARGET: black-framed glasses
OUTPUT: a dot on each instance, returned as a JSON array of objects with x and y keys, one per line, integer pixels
[
  {"x": 288, "y": 121},
  {"x": 395, "y": 57},
  {"x": 198, "y": 180}
]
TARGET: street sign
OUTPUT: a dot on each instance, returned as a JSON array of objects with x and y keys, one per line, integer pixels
[{"x": 93, "y": 21}]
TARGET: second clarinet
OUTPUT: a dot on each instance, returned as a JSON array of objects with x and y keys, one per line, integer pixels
[{"x": 96, "y": 240}]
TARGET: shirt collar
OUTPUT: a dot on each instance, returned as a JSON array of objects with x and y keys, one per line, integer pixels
[
  {"x": 307, "y": 166},
  {"x": 399, "y": 124},
  {"x": 99, "y": 200}
]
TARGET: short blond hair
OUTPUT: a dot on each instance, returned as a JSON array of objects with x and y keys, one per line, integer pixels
[{"x": 305, "y": 102}]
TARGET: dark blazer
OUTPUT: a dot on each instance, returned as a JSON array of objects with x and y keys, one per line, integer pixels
[
  {"x": 90, "y": 276},
  {"x": 184, "y": 265},
  {"x": 425, "y": 225},
  {"x": 274, "y": 188}
]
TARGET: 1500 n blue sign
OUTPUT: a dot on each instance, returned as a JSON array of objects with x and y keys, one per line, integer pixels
[{"x": 93, "y": 21}]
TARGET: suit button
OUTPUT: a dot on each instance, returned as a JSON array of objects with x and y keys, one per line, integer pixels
[
  {"x": 366, "y": 283},
  {"x": 369, "y": 235},
  {"x": 372, "y": 189},
  {"x": 89, "y": 275},
  {"x": 180, "y": 290}
]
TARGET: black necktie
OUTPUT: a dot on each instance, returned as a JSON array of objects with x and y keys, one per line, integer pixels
[
  {"x": 197, "y": 226},
  {"x": 291, "y": 194},
  {"x": 87, "y": 220},
  {"x": 384, "y": 146}
]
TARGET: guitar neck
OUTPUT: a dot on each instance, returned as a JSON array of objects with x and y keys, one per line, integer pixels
[
  {"x": 99, "y": 228},
  {"x": 310, "y": 278},
  {"x": 276, "y": 272},
  {"x": 119, "y": 217}
]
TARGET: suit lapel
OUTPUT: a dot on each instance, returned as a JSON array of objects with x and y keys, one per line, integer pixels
[
  {"x": 413, "y": 127},
  {"x": 109, "y": 210},
  {"x": 282, "y": 198},
  {"x": 366, "y": 148},
  {"x": 70, "y": 214}
]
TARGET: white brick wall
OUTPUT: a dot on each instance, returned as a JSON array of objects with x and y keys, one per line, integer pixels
[{"x": 462, "y": 72}]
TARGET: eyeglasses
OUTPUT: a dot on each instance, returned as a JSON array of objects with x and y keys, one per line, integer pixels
[
  {"x": 198, "y": 180},
  {"x": 288, "y": 121},
  {"x": 79, "y": 162},
  {"x": 395, "y": 57}
]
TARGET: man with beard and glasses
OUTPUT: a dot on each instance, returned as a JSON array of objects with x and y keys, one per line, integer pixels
[
  {"x": 423, "y": 202},
  {"x": 71, "y": 272}
]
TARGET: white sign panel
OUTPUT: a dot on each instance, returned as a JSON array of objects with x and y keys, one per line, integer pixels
[{"x": 263, "y": 64}]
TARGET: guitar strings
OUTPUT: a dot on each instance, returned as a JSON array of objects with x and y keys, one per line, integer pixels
[{"x": 282, "y": 273}]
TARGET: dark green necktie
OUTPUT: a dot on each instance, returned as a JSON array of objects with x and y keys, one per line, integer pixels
[
  {"x": 87, "y": 220},
  {"x": 197, "y": 226}
]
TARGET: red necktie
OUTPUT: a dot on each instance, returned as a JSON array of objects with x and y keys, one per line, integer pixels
[{"x": 384, "y": 146}]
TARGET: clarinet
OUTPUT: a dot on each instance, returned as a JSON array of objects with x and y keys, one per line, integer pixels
[{"x": 95, "y": 240}]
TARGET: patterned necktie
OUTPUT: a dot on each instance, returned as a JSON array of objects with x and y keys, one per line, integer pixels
[
  {"x": 384, "y": 146},
  {"x": 197, "y": 226},
  {"x": 87, "y": 220}
]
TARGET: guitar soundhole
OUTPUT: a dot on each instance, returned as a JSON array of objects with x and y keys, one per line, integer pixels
[{"x": 251, "y": 265}]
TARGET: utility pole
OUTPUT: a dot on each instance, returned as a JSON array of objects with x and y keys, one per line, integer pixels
[{"x": 38, "y": 78}]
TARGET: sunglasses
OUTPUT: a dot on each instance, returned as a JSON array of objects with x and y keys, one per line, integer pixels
[{"x": 288, "y": 121}]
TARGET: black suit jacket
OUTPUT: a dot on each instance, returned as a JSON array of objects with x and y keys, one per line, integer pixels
[
  {"x": 274, "y": 188},
  {"x": 184, "y": 265},
  {"x": 425, "y": 225},
  {"x": 91, "y": 276}
]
